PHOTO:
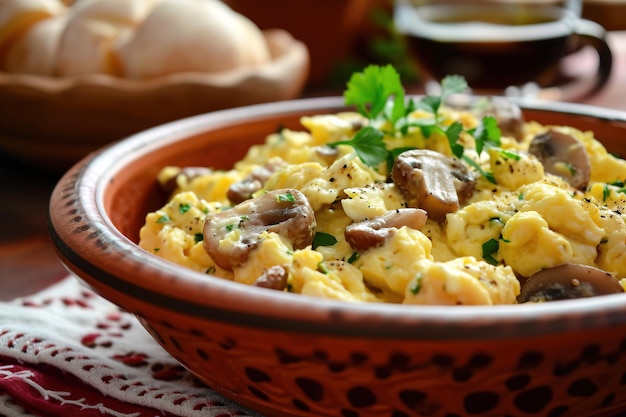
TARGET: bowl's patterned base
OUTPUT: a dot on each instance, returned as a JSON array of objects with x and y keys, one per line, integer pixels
[{"x": 310, "y": 375}]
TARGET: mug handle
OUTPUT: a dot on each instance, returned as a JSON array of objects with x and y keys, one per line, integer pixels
[{"x": 589, "y": 33}]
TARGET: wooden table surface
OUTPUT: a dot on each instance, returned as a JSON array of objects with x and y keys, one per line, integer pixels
[{"x": 28, "y": 261}]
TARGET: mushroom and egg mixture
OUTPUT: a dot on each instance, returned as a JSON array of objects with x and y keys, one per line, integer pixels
[{"x": 540, "y": 216}]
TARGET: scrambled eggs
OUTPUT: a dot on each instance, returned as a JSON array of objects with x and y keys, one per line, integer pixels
[{"x": 352, "y": 236}]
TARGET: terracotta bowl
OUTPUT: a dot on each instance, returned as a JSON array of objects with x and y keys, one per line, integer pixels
[
  {"x": 290, "y": 355},
  {"x": 54, "y": 122}
]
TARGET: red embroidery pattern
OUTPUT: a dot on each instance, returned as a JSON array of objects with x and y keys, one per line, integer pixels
[{"x": 67, "y": 352}]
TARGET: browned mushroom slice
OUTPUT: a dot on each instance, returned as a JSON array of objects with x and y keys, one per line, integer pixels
[
  {"x": 567, "y": 282},
  {"x": 244, "y": 189},
  {"x": 273, "y": 278},
  {"x": 189, "y": 172},
  {"x": 374, "y": 232},
  {"x": 231, "y": 235},
  {"x": 563, "y": 155},
  {"x": 432, "y": 181}
]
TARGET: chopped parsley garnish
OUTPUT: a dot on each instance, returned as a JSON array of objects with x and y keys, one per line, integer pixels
[
  {"x": 184, "y": 208},
  {"x": 285, "y": 198},
  {"x": 370, "y": 91},
  {"x": 231, "y": 227},
  {"x": 321, "y": 267},
  {"x": 416, "y": 286},
  {"x": 510, "y": 155},
  {"x": 606, "y": 192},
  {"x": 368, "y": 144},
  {"x": 491, "y": 247},
  {"x": 570, "y": 168},
  {"x": 378, "y": 94},
  {"x": 354, "y": 257},
  {"x": 621, "y": 188},
  {"x": 323, "y": 239},
  {"x": 163, "y": 219},
  {"x": 198, "y": 237}
]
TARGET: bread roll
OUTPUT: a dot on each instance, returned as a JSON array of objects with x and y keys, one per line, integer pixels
[
  {"x": 18, "y": 16},
  {"x": 256, "y": 47},
  {"x": 86, "y": 42},
  {"x": 191, "y": 35},
  {"x": 35, "y": 52}
]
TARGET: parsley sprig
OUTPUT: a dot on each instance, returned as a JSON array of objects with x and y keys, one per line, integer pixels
[{"x": 378, "y": 94}]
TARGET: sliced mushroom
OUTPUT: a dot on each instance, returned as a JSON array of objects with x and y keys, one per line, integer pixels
[
  {"x": 244, "y": 189},
  {"x": 273, "y": 278},
  {"x": 374, "y": 232},
  {"x": 189, "y": 172},
  {"x": 563, "y": 155},
  {"x": 567, "y": 282},
  {"x": 432, "y": 181},
  {"x": 231, "y": 235}
]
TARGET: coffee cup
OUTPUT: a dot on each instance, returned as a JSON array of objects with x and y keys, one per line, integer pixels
[{"x": 502, "y": 46}]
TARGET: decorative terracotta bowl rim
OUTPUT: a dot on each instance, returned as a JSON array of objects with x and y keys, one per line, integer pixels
[{"x": 196, "y": 294}]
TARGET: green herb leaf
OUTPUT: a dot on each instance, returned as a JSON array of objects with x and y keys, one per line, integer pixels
[
  {"x": 510, "y": 155},
  {"x": 570, "y": 168},
  {"x": 198, "y": 237},
  {"x": 323, "y": 239},
  {"x": 606, "y": 192},
  {"x": 184, "y": 208},
  {"x": 453, "y": 84},
  {"x": 354, "y": 257},
  {"x": 285, "y": 198},
  {"x": 163, "y": 219},
  {"x": 368, "y": 144},
  {"x": 369, "y": 90},
  {"x": 430, "y": 104},
  {"x": 488, "y": 175},
  {"x": 321, "y": 267},
  {"x": 416, "y": 286},
  {"x": 490, "y": 247},
  {"x": 487, "y": 134},
  {"x": 453, "y": 132}
]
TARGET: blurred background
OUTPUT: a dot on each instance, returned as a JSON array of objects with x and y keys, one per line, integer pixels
[{"x": 345, "y": 35}]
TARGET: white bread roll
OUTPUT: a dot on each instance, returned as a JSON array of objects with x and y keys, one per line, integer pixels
[
  {"x": 36, "y": 51},
  {"x": 191, "y": 36},
  {"x": 85, "y": 45},
  {"x": 256, "y": 46},
  {"x": 17, "y": 16}
]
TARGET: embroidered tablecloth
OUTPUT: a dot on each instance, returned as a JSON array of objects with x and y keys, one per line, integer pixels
[{"x": 68, "y": 352}]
